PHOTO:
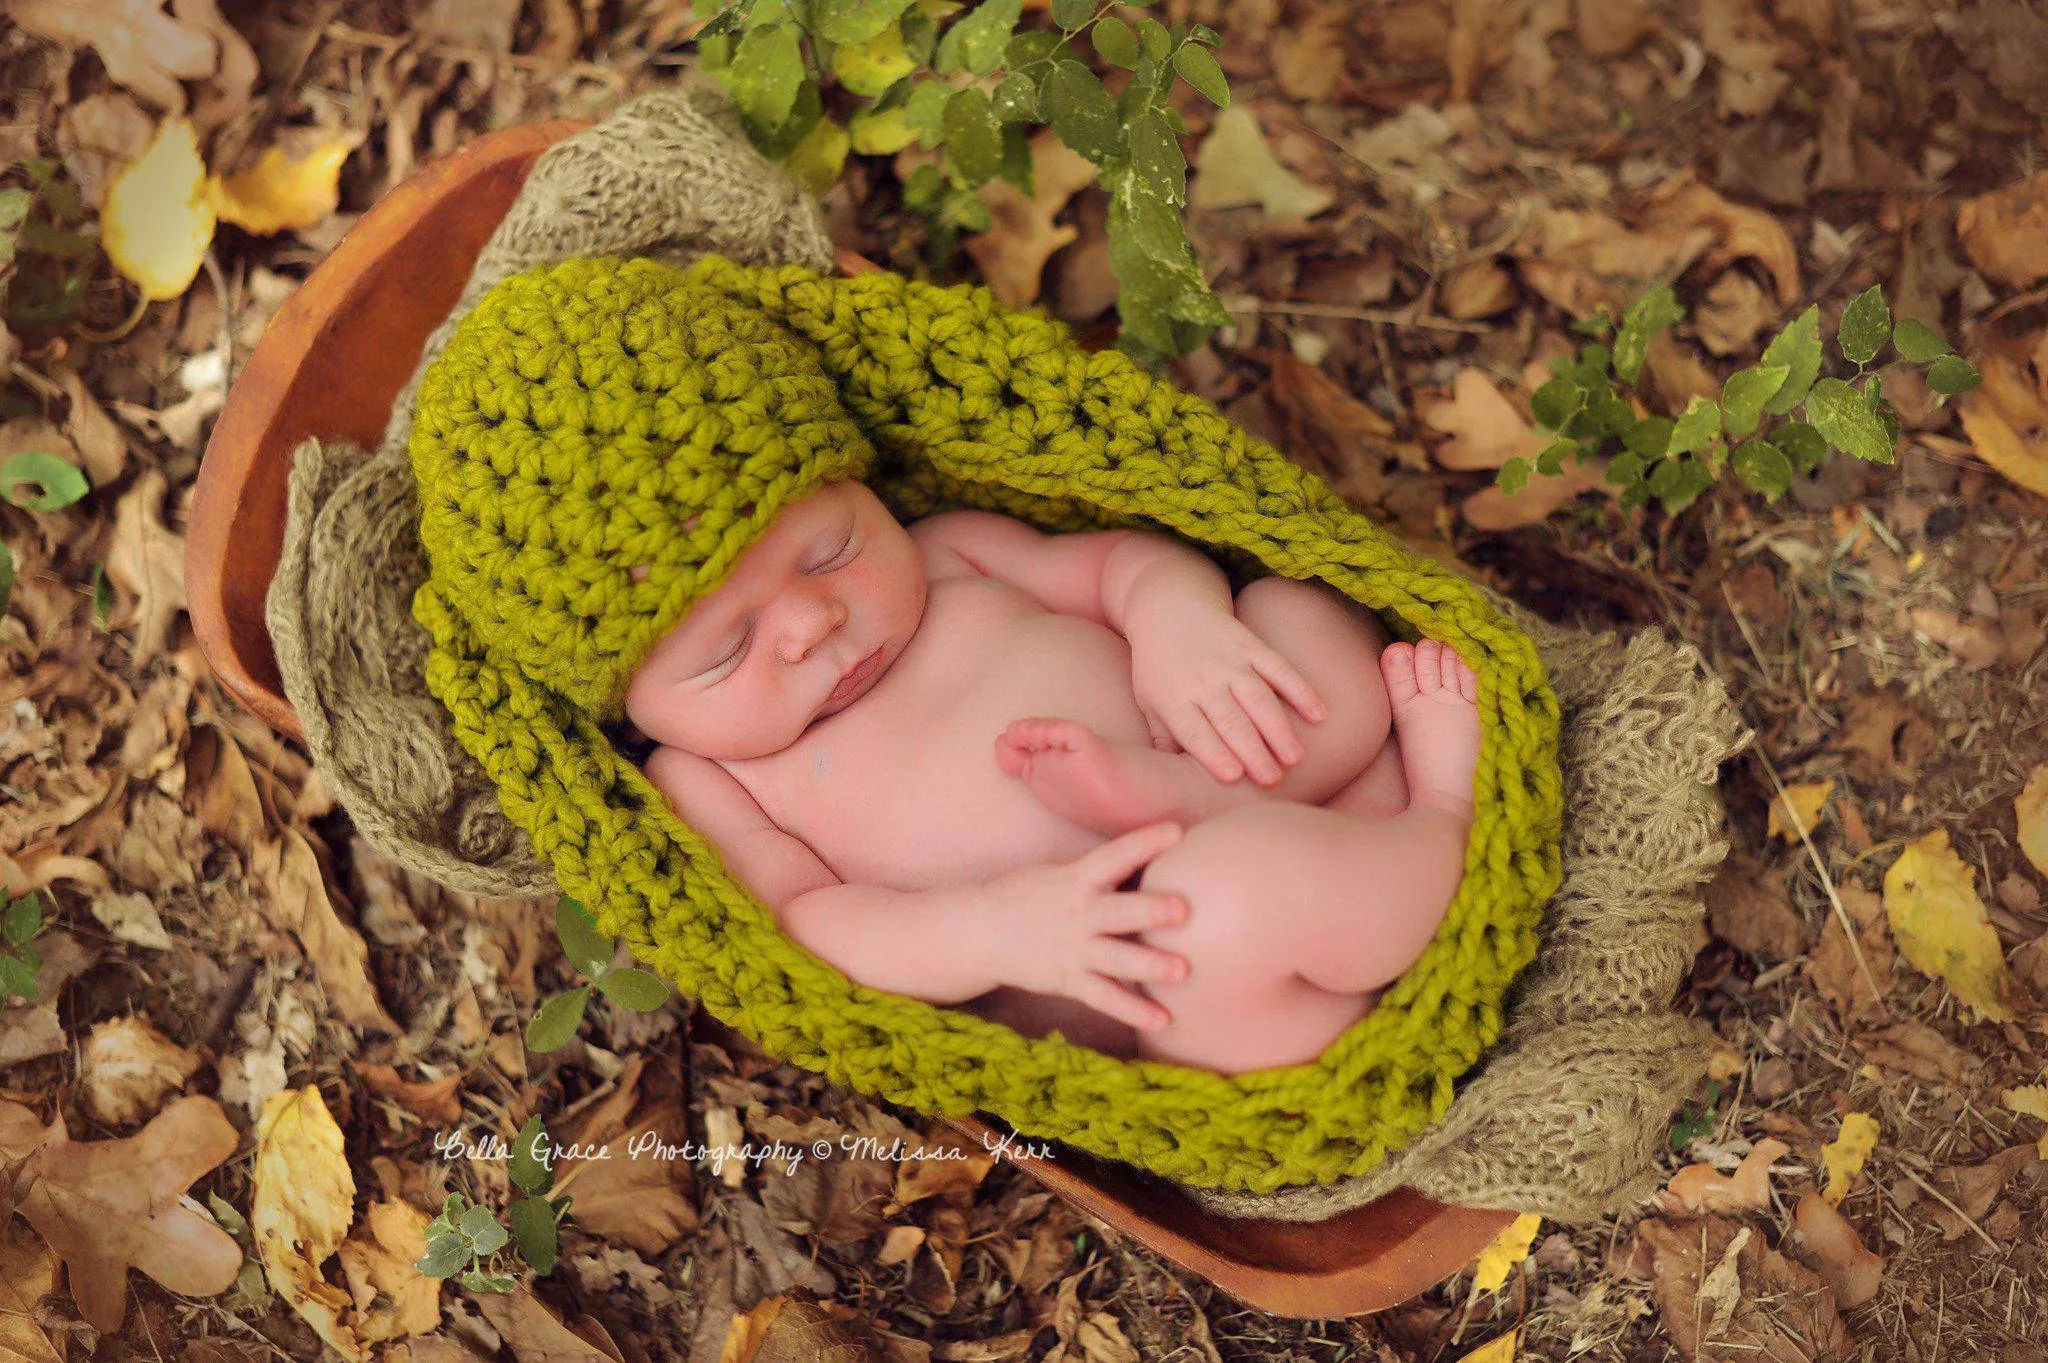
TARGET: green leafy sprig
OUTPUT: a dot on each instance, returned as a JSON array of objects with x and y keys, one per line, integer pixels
[
  {"x": 467, "y": 1238},
  {"x": 46, "y": 245},
  {"x": 20, "y": 920},
  {"x": 1587, "y": 412},
  {"x": 591, "y": 952},
  {"x": 971, "y": 92}
]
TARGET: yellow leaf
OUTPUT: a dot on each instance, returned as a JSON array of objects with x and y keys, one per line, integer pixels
[
  {"x": 1845, "y": 1154},
  {"x": 1500, "y": 1350},
  {"x": 1930, "y": 895},
  {"x": 817, "y": 159},
  {"x": 2031, "y": 1101},
  {"x": 2031, "y": 808},
  {"x": 1798, "y": 808},
  {"x": 881, "y": 132},
  {"x": 304, "y": 1200},
  {"x": 158, "y": 221},
  {"x": 871, "y": 67},
  {"x": 1509, "y": 1248},
  {"x": 281, "y": 192}
]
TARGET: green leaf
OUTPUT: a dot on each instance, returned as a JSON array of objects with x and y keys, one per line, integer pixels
[
  {"x": 1081, "y": 112},
  {"x": 1802, "y": 444},
  {"x": 1625, "y": 468},
  {"x": 23, "y": 920},
  {"x": 1198, "y": 68},
  {"x": 977, "y": 43},
  {"x": 880, "y": 132},
  {"x": 965, "y": 209},
  {"x": 1550, "y": 463},
  {"x": 556, "y": 1021},
  {"x": 1555, "y": 402},
  {"x": 1018, "y": 171},
  {"x": 1156, "y": 40},
  {"x": 765, "y": 73},
  {"x": 14, "y": 205},
  {"x": 1655, "y": 311},
  {"x": 925, "y": 111},
  {"x": 1797, "y": 347},
  {"x": 17, "y": 977},
  {"x": 1952, "y": 374},
  {"x": 489, "y": 1238},
  {"x": 1202, "y": 33},
  {"x": 870, "y": 68},
  {"x": 922, "y": 190},
  {"x": 804, "y": 116},
  {"x": 1764, "y": 467},
  {"x": 1866, "y": 325},
  {"x": 1918, "y": 342},
  {"x": 1698, "y": 428},
  {"x": 640, "y": 990},
  {"x": 587, "y": 948},
  {"x": 1030, "y": 48},
  {"x": 475, "y": 1221},
  {"x": 1016, "y": 98},
  {"x": 1071, "y": 14},
  {"x": 974, "y": 140},
  {"x": 53, "y": 240},
  {"x": 446, "y": 1255},
  {"x": 1514, "y": 475},
  {"x": 1650, "y": 437},
  {"x": 6, "y": 574},
  {"x": 1115, "y": 41},
  {"x": 59, "y": 484},
  {"x": 102, "y": 595},
  {"x": 1676, "y": 482},
  {"x": 532, "y": 1167},
  {"x": 1845, "y": 420},
  {"x": 854, "y": 21},
  {"x": 533, "y": 1230},
  {"x": 230, "y": 1220},
  {"x": 1747, "y": 390},
  {"x": 1157, "y": 161}
]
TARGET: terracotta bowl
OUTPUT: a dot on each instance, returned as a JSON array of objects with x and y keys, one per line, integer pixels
[{"x": 332, "y": 363}]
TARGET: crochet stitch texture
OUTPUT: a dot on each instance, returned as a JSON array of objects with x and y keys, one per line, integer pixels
[{"x": 584, "y": 413}]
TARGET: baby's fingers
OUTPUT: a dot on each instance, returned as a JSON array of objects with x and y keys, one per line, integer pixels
[
  {"x": 1137, "y": 910},
  {"x": 1137, "y": 962},
  {"x": 1125, "y": 1005}
]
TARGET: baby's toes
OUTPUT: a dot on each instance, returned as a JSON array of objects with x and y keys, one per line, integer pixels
[
  {"x": 1467, "y": 682},
  {"x": 1429, "y": 666},
  {"x": 1397, "y": 666}
]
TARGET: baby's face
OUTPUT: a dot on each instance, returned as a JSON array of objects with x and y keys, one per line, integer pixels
[{"x": 835, "y": 581}]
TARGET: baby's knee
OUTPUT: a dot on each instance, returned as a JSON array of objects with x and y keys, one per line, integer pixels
[
  {"x": 1238, "y": 915},
  {"x": 1336, "y": 644}
]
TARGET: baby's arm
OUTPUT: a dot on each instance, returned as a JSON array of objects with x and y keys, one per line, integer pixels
[{"x": 924, "y": 945}]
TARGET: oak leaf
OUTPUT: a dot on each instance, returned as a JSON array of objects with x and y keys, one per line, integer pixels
[
  {"x": 1699, "y": 1188},
  {"x": 28, "y": 1274},
  {"x": 142, "y": 47},
  {"x": 148, "y": 562},
  {"x": 2006, "y": 415},
  {"x": 1235, "y": 166},
  {"x": 129, "y": 1066},
  {"x": 1485, "y": 429},
  {"x": 1022, "y": 235},
  {"x": 2030, "y": 810},
  {"x": 297, "y": 900},
  {"x": 2006, "y": 231},
  {"x": 108, "y": 1206}
]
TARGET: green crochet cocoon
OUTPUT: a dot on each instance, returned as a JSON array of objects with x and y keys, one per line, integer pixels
[{"x": 597, "y": 414}]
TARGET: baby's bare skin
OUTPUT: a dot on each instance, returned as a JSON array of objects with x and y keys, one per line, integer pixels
[{"x": 1010, "y": 724}]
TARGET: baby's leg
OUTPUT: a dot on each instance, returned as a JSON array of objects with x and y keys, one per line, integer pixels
[{"x": 1112, "y": 787}]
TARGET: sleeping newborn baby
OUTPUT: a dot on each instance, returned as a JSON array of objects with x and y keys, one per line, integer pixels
[{"x": 1053, "y": 778}]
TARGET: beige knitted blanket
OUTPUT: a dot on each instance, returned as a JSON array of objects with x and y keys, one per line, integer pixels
[{"x": 1568, "y": 1110}]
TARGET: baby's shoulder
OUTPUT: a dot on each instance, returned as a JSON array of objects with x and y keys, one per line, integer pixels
[{"x": 941, "y": 560}]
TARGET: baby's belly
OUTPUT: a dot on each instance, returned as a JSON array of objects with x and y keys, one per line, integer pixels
[{"x": 903, "y": 789}]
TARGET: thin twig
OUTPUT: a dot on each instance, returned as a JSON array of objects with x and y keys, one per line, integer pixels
[
  {"x": 1385, "y": 315},
  {"x": 362, "y": 37},
  {"x": 1827, "y": 881},
  {"x": 1935, "y": 1193}
]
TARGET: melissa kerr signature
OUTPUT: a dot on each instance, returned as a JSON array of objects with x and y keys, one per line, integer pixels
[{"x": 489, "y": 1145}]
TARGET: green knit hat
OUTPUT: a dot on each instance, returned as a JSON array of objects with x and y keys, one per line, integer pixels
[{"x": 599, "y": 415}]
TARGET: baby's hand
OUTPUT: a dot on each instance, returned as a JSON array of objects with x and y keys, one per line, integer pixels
[
  {"x": 1206, "y": 682},
  {"x": 1058, "y": 927}
]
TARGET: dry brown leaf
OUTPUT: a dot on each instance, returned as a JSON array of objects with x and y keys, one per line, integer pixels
[
  {"x": 30, "y": 1031},
  {"x": 304, "y": 1199},
  {"x": 1485, "y": 429},
  {"x": 1699, "y": 1188},
  {"x": 128, "y": 1068},
  {"x": 1478, "y": 289},
  {"x": 2006, "y": 231},
  {"x": 147, "y": 561},
  {"x": 484, "y": 24},
  {"x": 788, "y": 1330},
  {"x": 221, "y": 789},
  {"x": 1723, "y": 1294},
  {"x": 1798, "y": 808},
  {"x": 143, "y": 48},
  {"x": 641, "y": 1194},
  {"x": 226, "y": 94},
  {"x": 107, "y": 1206},
  {"x": 1886, "y": 739},
  {"x": 1589, "y": 262},
  {"x": 297, "y": 901},
  {"x": 1974, "y": 1187},
  {"x": 1977, "y": 644},
  {"x": 1494, "y": 508},
  {"x": 393, "y": 1299},
  {"x": 1834, "y": 968},
  {"x": 2030, "y": 812},
  {"x": 1682, "y": 203},
  {"x": 1307, "y": 59},
  {"x": 28, "y": 1275},
  {"x": 1022, "y": 235},
  {"x": 1235, "y": 166},
  {"x": 1915, "y": 1048},
  {"x": 433, "y": 1100},
  {"x": 1748, "y": 52},
  {"x": 1851, "y": 1272},
  {"x": 2006, "y": 417},
  {"x": 101, "y": 446},
  {"x": 531, "y": 1331},
  {"x": 1733, "y": 310},
  {"x": 99, "y": 135},
  {"x": 1611, "y": 28},
  {"x": 1748, "y": 907}
]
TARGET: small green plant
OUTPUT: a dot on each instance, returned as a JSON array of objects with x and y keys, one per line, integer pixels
[
  {"x": 46, "y": 244},
  {"x": 1588, "y": 414},
  {"x": 20, "y": 920},
  {"x": 467, "y": 1237},
  {"x": 1695, "y": 1123},
  {"x": 972, "y": 92},
  {"x": 591, "y": 952}
]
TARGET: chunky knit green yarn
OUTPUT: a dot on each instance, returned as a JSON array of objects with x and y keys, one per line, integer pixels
[{"x": 585, "y": 414}]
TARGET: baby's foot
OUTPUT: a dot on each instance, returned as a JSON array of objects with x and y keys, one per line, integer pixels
[
  {"x": 1084, "y": 780},
  {"x": 1436, "y": 713}
]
